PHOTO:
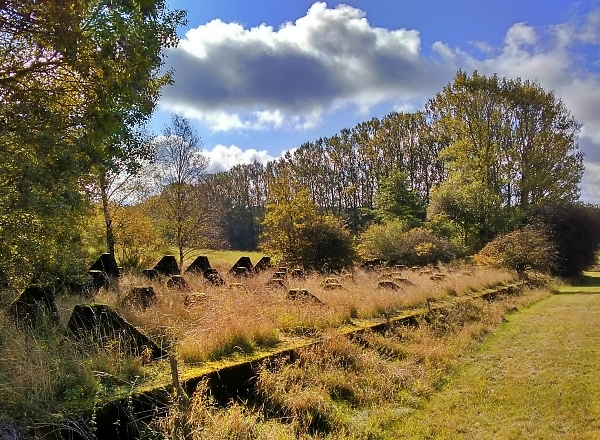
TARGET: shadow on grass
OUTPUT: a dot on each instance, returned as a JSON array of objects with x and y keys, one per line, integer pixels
[
  {"x": 587, "y": 279},
  {"x": 588, "y": 282}
]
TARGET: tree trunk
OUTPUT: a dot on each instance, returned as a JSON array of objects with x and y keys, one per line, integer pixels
[{"x": 110, "y": 236}]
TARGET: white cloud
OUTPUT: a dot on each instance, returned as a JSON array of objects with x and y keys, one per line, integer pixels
[
  {"x": 233, "y": 78},
  {"x": 223, "y": 158},
  {"x": 518, "y": 36},
  {"x": 555, "y": 65},
  {"x": 590, "y": 185}
]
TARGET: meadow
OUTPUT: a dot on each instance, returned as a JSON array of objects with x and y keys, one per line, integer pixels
[
  {"x": 248, "y": 314},
  {"x": 45, "y": 375}
]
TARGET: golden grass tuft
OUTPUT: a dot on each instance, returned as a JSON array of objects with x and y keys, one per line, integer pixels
[
  {"x": 41, "y": 369},
  {"x": 247, "y": 315},
  {"x": 359, "y": 388}
]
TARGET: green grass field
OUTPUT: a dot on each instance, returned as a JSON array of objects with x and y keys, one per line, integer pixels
[
  {"x": 536, "y": 378},
  {"x": 222, "y": 260}
]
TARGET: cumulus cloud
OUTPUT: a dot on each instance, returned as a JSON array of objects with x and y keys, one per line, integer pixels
[
  {"x": 230, "y": 77},
  {"x": 590, "y": 185},
  {"x": 223, "y": 158}
]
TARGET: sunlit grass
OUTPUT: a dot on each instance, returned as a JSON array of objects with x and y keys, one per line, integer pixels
[
  {"x": 537, "y": 378},
  {"x": 588, "y": 282},
  {"x": 246, "y": 314},
  {"x": 360, "y": 388},
  {"x": 204, "y": 323}
]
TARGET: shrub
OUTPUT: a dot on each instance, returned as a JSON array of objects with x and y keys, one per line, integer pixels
[
  {"x": 422, "y": 246},
  {"x": 136, "y": 239},
  {"x": 382, "y": 240},
  {"x": 327, "y": 245},
  {"x": 527, "y": 248},
  {"x": 575, "y": 231},
  {"x": 296, "y": 233},
  {"x": 392, "y": 242},
  {"x": 443, "y": 226}
]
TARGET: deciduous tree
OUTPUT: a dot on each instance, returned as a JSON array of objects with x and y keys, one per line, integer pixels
[
  {"x": 76, "y": 78},
  {"x": 512, "y": 147},
  {"x": 574, "y": 229},
  {"x": 185, "y": 209},
  {"x": 394, "y": 200}
]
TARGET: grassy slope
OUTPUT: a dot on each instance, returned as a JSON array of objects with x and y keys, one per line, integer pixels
[{"x": 536, "y": 378}]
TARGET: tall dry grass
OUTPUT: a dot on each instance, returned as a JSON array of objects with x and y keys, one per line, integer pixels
[
  {"x": 246, "y": 315},
  {"x": 42, "y": 369},
  {"x": 350, "y": 388}
]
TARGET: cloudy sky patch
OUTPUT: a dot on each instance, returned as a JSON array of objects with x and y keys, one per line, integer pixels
[{"x": 296, "y": 79}]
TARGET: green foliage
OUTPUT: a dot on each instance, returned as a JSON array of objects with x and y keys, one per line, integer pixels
[
  {"x": 395, "y": 243},
  {"x": 520, "y": 250},
  {"x": 575, "y": 231},
  {"x": 394, "y": 200},
  {"x": 294, "y": 232},
  {"x": 383, "y": 240},
  {"x": 511, "y": 149},
  {"x": 289, "y": 208},
  {"x": 136, "y": 238},
  {"x": 185, "y": 210},
  {"x": 479, "y": 219},
  {"x": 77, "y": 78},
  {"x": 443, "y": 226},
  {"x": 328, "y": 245},
  {"x": 422, "y": 247}
]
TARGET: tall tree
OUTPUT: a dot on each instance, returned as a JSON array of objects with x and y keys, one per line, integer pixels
[
  {"x": 76, "y": 76},
  {"x": 123, "y": 180},
  {"x": 242, "y": 192},
  {"x": 512, "y": 147},
  {"x": 185, "y": 209},
  {"x": 395, "y": 201}
]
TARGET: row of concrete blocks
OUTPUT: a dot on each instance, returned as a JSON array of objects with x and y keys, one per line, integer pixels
[
  {"x": 97, "y": 323},
  {"x": 105, "y": 269}
]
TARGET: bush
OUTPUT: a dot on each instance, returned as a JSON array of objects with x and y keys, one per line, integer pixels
[
  {"x": 382, "y": 241},
  {"x": 394, "y": 243},
  {"x": 422, "y": 246},
  {"x": 326, "y": 245},
  {"x": 527, "y": 248},
  {"x": 443, "y": 226},
  {"x": 575, "y": 231}
]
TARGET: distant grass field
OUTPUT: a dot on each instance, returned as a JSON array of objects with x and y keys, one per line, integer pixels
[
  {"x": 221, "y": 260},
  {"x": 537, "y": 378}
]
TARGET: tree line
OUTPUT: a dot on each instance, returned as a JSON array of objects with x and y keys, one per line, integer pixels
[
  {"x": 486, "y": 156},
  {"x": 485, "y": 153}
]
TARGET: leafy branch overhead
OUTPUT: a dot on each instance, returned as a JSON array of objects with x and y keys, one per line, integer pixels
[{"x": 76, "y": 80}]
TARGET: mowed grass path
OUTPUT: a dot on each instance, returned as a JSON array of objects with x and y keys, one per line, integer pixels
[{"x": 538, "y": 377}]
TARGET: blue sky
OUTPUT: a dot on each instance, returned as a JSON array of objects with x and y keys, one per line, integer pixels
[{"x": 258, "y": 78}]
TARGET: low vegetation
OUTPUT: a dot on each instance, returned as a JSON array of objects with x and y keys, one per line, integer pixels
[
  {"x": 79, "y": 176},
  {"x": 248, "y": 315},
  {"x": 520, "y": 250},
  {"x": 200, "y": 324},
  {"x": 547, "y": 387},
  {"x": 360, "y": 388}
]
